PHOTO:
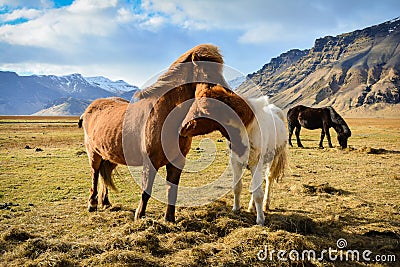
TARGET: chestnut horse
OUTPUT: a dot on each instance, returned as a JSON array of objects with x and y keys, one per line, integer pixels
[
  {"x": 317, "y": 118},
  {"x": 262, "y": 128},
  {"x": 118, "y": 132}
]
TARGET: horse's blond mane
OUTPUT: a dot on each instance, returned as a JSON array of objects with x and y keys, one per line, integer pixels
[{"x": 179, "y": 73}]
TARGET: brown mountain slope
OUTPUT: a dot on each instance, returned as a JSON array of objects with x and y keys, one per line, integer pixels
[{"x": 358, "y": 73}]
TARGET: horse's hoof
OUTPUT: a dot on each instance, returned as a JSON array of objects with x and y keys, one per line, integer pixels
[
  {"x": 139, "y": 216},
  {"x": 251, "y": 210},
  {"x": 92, "y": 209},
  {"x": 236, "y": 210},
  {"x": 106, "y": 203},
  {"x": 170, "y": 219},
  {"x": 106, "y": 206},
  {"x": 260, "y": 222}
]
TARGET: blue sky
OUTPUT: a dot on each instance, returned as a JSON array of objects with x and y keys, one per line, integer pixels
[{"x": 134, "y": 40}]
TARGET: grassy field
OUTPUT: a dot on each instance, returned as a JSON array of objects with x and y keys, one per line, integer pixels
[{"x": 327, "y": 195}]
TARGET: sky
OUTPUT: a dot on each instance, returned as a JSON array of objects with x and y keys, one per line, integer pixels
[{"x": 134, "y": 40}]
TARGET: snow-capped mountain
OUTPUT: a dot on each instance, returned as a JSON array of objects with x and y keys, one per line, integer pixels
[
  {"x": 118, "y": 87},
  {"x": 24, "y": 95},
  {"x": 236, "y": 82}
]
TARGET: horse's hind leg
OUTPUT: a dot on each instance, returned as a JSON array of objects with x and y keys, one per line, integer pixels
[
  {"x": 95, "y": 161},
  {"x": 173, "y": 177},
  {"x": 297, "y": 132},
  {"x": 268, "y": 185},
  {"x": 257, "y": 193}
]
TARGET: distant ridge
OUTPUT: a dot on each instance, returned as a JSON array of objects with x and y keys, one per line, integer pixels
[
  {"x": 59, "y": 95},
  {"x": 64, "y": 107},
  {"x": 357, "y": 73}
]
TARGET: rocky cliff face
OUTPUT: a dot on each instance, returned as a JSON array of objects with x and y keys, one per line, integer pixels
[{"x": 358, "y": 73}]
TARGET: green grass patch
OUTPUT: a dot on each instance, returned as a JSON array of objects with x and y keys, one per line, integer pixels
[{"x": 327, "y": 194}]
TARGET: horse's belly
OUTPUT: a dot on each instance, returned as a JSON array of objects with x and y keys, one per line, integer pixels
[
  {"x": 132, "y": 152},
  {"x": 310, "y": 124}
]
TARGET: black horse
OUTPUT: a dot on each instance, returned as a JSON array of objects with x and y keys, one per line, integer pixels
[{"x": 317, "y": 118}]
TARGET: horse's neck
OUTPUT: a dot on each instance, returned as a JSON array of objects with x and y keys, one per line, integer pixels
[
  {"x": 166, "y": 103},
  {"x": 339, "y": 128},
  {"x": 242, "y": 108}
]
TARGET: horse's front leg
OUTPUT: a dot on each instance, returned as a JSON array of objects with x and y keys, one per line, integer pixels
[
  {"x": 328, "y": 136},
  {"x": 297, "y": 132},
  {"x": 237, "y": 183},
  {"x": 173, "y": 177},
  {"x": 257, "y": 193},
  {"x": 321, "y": 145},
  {"x": 148, "y": 175}
]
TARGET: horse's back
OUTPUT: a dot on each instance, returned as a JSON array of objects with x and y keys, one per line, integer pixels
[
  {"x": 307, "y": 117},
  {"x": 103, "y": 125},
  {"x": 271, "y": 122},
  {"x": 104, "y": 112},
  {"x": 279, "y": 126},
  {"x": 105, "y": 103}
]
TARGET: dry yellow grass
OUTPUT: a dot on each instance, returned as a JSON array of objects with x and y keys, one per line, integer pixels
[{"x": 328, "y": 194}]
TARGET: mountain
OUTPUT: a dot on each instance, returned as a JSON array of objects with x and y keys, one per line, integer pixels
[
  {"x": 64, "y": 107},
  {"x": 236, "y": 82},
  {"x": 118, "y": 87},
  {"x": 24, "y": 95},
  {"x": 358, "y": 73}
]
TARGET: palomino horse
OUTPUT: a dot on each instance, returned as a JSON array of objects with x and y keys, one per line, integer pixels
[
  {"x": 317, "y": 118},
  {"x": 118, "y": 132},
  {"x": 262, "y": 129}
]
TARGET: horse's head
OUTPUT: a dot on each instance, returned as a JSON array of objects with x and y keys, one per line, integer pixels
[
  {"x": 201, "y": 64},
  {"x": 343, "y": 137},
  {"x": 218, "y": 109},
  {"x": 340, "y": 127}
]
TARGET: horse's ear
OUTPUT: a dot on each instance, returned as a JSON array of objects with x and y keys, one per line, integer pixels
[{"x": 189, "y": 56}]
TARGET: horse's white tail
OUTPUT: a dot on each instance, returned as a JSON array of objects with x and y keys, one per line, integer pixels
[{"x": 279, "y": 164}]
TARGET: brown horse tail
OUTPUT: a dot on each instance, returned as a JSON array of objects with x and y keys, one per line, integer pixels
[
  {"x": 80, "y": 122},
  {"x": 279, "y": 164},
  {"x": 106, "y": 178}
]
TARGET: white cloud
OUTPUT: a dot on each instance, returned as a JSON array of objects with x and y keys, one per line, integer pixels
[
  {"x": 89, "y": 6},
  {"x": 153, "y": 23},
  {"x": 30, "y": 4},
  {"x": 20, "y": 14},
  {"x": 117, "y": 39},
  {"x": 61, "y": 28},
  {"x": 262, "y": 33},
  {"x": 125, "y": 16}
]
